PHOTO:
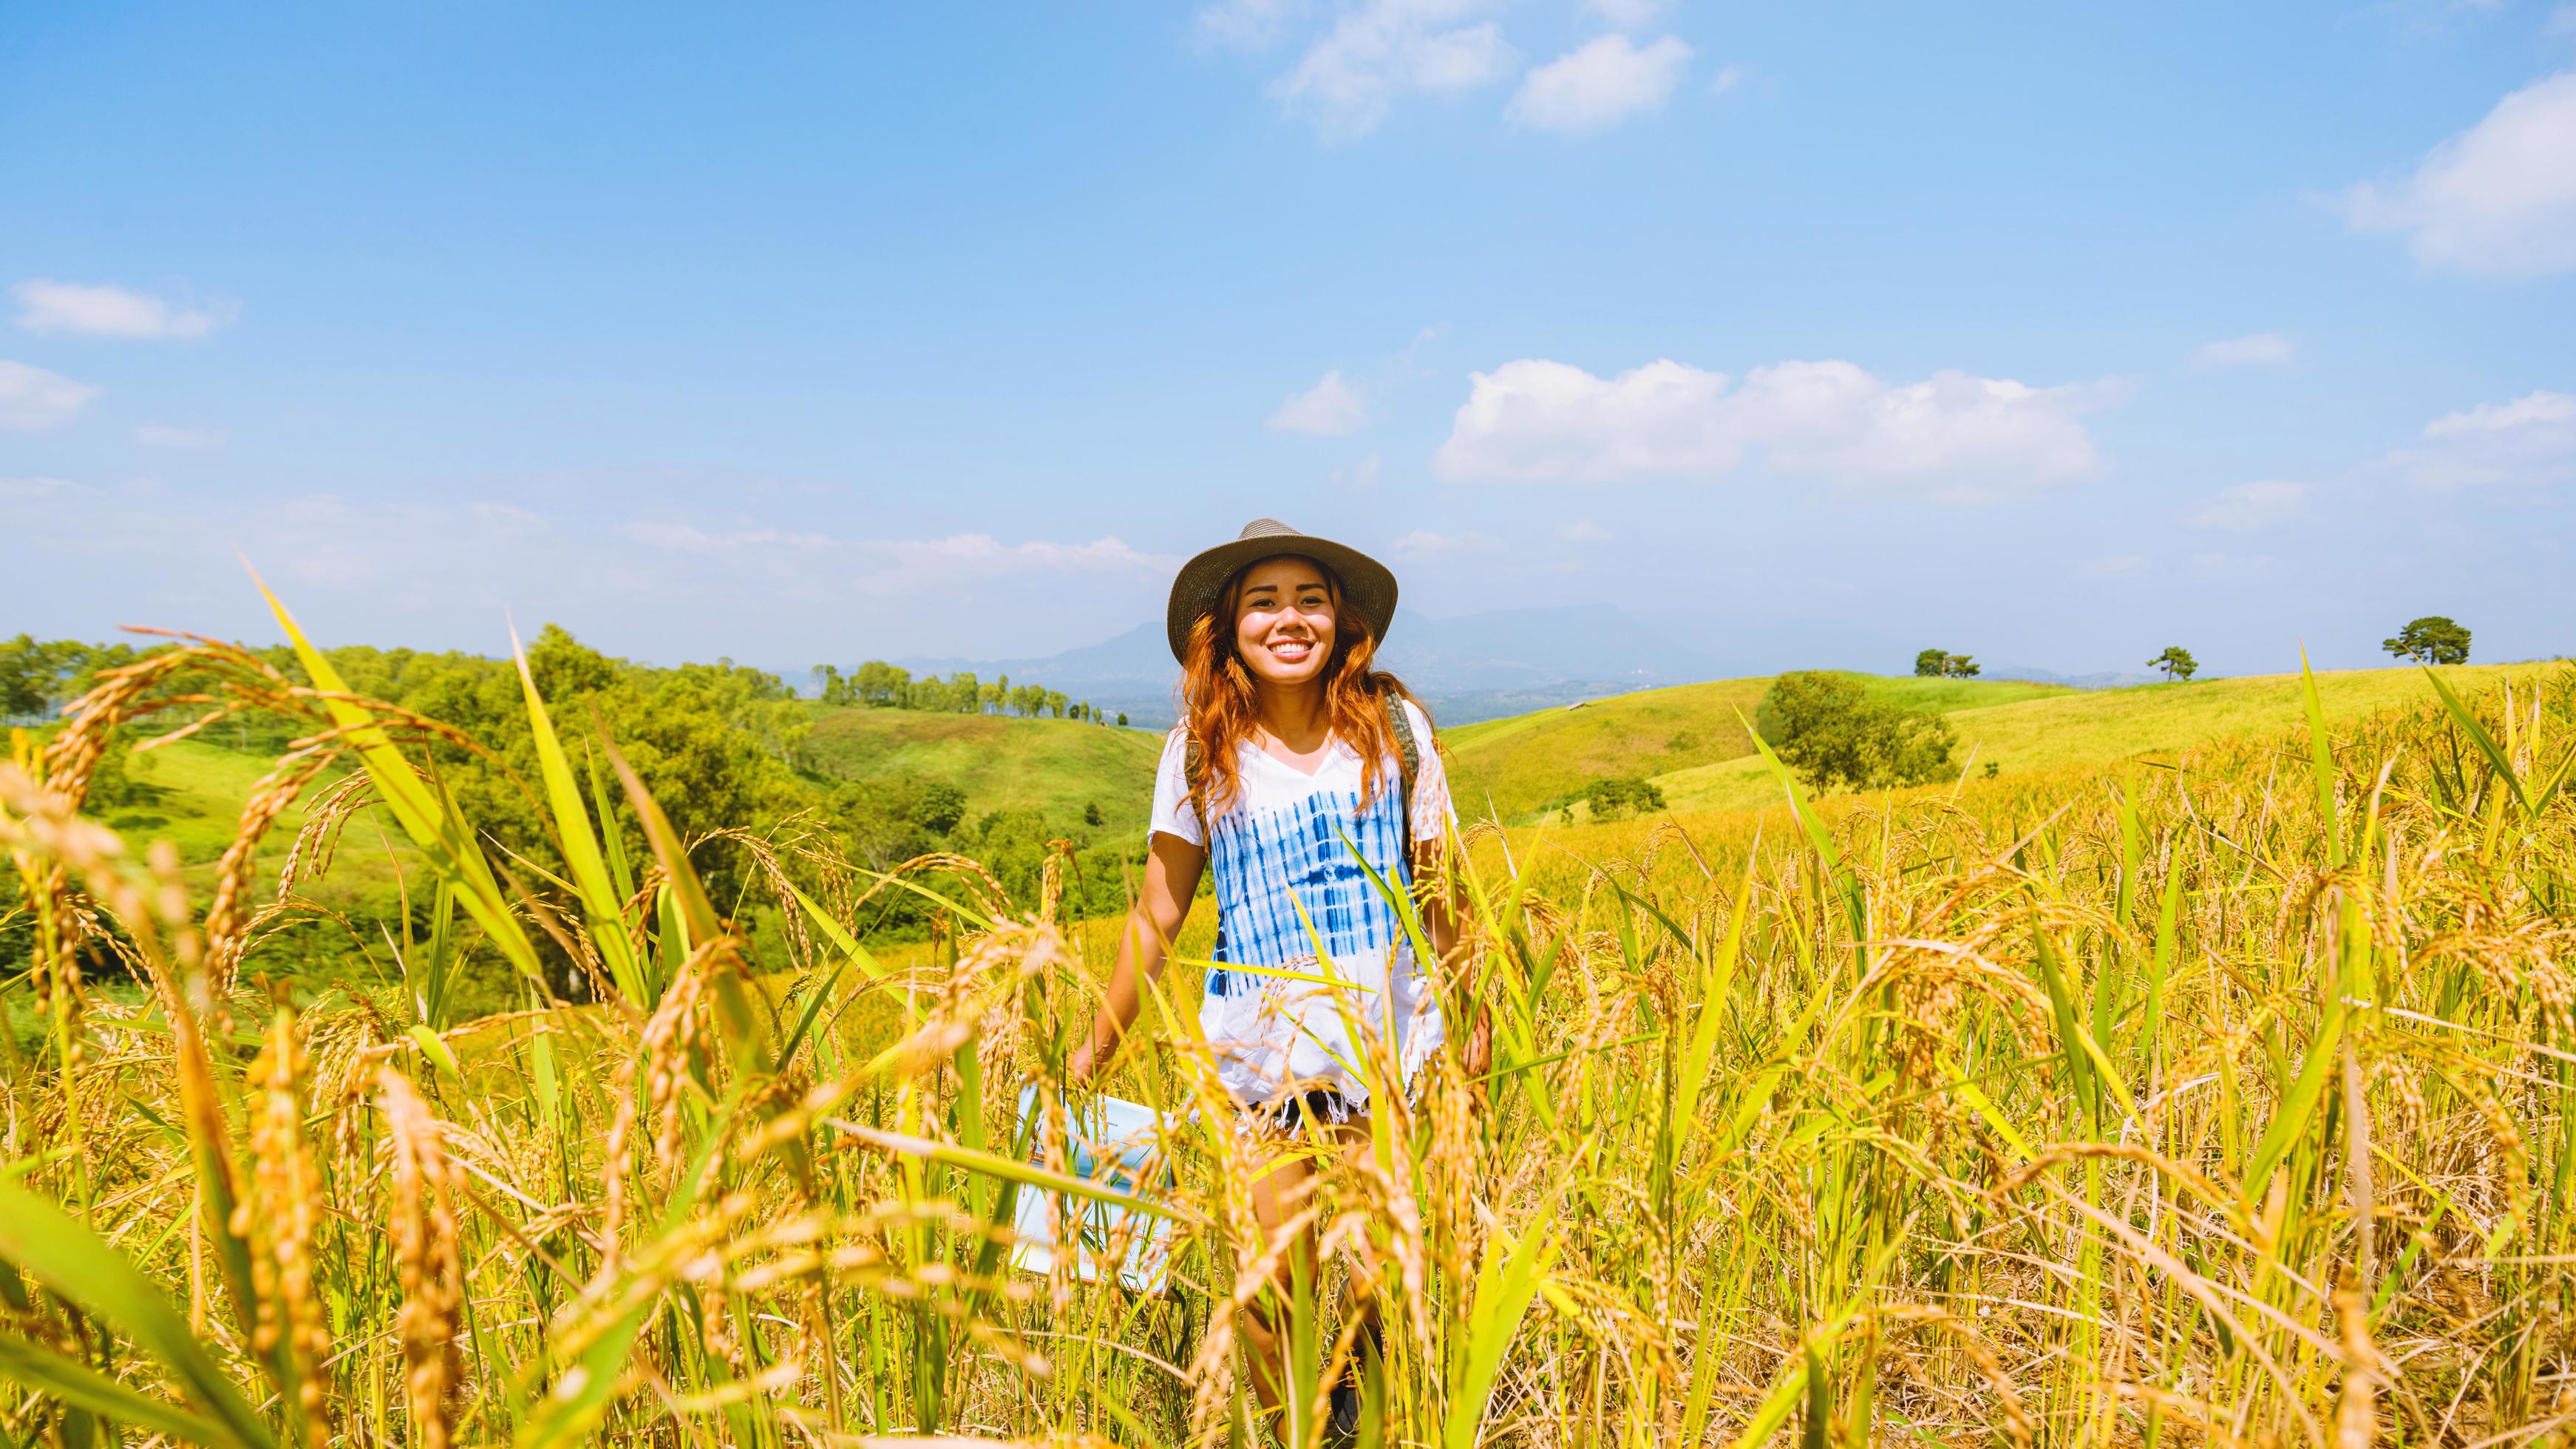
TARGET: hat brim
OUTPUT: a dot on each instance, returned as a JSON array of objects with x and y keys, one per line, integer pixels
[{"x": 1368, "y": 586}]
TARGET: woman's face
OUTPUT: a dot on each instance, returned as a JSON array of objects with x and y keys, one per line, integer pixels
[{"x": 1283, "y": 621}]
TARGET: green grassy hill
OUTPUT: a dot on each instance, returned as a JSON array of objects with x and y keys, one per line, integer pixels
[
  {"x": 1054, "y": 766},
  {"x": 2063, "y": 728},
  {"x": 1535, "y": 761}
]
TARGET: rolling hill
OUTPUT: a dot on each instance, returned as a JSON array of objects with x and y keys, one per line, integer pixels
[
  {"x": 1689, "y": 743},
  {"x": 1052, "y": 765},
  {"x": 1512, "y": 767}
]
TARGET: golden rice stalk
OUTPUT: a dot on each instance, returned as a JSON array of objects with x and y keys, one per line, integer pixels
[
  {"x": 226, "y": 919},
  {"x": 281, "y": 1213},
  {"x": 422, "y": 1215},
  {"x": 2356, "y": 1414}
]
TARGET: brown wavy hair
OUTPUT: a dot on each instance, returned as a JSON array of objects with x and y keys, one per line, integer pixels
[{"x": 1220, "y": 710}]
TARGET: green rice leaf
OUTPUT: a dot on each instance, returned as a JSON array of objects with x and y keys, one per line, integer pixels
[
  {"x": 1026, "y": 1174},
  {"x": 2321, "y": 760},
  {"x": 47, "y": 1244},
  {"x": 56, "y": 1377},
  {"x": 601, "y": 902},
  {"x": 1504, "y": 1288},
  {"x": 2497, "y": 759}
]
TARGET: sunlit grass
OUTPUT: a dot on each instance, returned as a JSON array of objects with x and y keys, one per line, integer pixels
[{"x": 2220, "y": 1097}]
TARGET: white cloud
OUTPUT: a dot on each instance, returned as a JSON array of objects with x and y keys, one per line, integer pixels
[
  {"x": 1728, "y": 79},
  {"x": 190, "y": 440},
  {"x": 1963, "y": 438},
  {"x": 104, "y": 311},
  {"x": 980, "y": 555},
  {"x": 1385, "y": 49},
  {"x": 2562, "y": 22},
  {"x": 2250, "y": 506},
  {"x": 2266, "y": 349},
  {"x": 1601, "y": 84},
  {"x": 33, "y": 400},
  {"x": 1628, "y": 14},
  {"x": 1331, "y": 408},
  {"x": 1245, "y": 24},
  {"x": 1422, "y": 543},
  {"x": 25, "y": 490},
  {"x": 2116, "y": 566},
  {"x": 1359, "y": 477},
  {"x": 2497, "y": 199},
  {"x": 689, "y": 538},
  {"x": 506, "y": 517},
  {"x": 1582, "y": 530},
  {"x": 2529, "y": 441}
]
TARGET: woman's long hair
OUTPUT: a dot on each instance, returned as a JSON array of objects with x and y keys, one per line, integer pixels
[{"x": 1220, "y": 710}]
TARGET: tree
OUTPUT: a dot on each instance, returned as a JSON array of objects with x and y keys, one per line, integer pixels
[
  {"x": 1611, "y": 799},
  {"x": 938, "y": 807},
  {"x": 1941, "y": 664},
  {"x": 2176, "y": 662},
  {"x": 33, "y": 675},
  {"x": 2432, "y": 639},
  {"x": 1827, "y": 728},
  {"x": 1091, "y": 815},
  {"x": 1122, "y": 719},
  {"x": 880, "y": 685}
]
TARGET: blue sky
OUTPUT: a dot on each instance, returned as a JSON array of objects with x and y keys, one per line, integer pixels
[{"x": 2055, "y": 334}]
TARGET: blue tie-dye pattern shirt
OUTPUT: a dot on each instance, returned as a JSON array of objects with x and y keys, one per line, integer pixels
[{"x": 1286, "y": 841}]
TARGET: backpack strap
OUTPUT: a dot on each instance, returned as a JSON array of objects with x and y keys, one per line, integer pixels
[
  {"x": 1408, "y": 759},
  {"x": 1194, "y": 779}
]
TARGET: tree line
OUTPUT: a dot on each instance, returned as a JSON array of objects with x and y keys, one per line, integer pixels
[
  {"x": 721, "y": 746},
  {"x": 879, "y": 685}
]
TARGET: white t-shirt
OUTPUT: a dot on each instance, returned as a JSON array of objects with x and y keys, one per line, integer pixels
[{"x": 1289, "y": 839}]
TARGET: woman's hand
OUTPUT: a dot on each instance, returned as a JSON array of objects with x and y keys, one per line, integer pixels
[{"x": 1479, "y": 1056}]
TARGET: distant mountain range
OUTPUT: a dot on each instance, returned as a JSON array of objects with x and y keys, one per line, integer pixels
[
  {"x": 1480, "y": 666},
  {"x": 1486, "y": 666}
]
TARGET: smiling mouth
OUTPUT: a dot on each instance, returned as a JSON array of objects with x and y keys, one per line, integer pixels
[{"x": 1290, "y": 651}]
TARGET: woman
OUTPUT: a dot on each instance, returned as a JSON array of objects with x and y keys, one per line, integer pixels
[{"x": 1289, "y": 768}]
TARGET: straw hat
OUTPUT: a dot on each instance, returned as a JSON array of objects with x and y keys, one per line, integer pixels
[{"x": 1367, "y": 585}]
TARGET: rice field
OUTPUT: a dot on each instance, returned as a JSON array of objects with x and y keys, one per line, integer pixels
[{"x": 2218, "y": 1101}]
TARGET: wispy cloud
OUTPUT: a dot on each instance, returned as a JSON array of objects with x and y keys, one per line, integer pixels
[
  {"x": 1423, "y": 543},
  {"x": 2251, "y": 506},
  {"x": 1383, "y": 50},
  {"x": 961, "y": 553},
  {"x": 2259, "y": 349},
  {"x": 689, "y": 538},
  {"x": 1955, "y": 437},
  {"x": 33, "y": 400},
  {"x": 1246, "y": 24},
  {"x": 186, "y": 440},
  {"x": 107, "y": 311},
  {"x": 1359, "y": 477},
  {"x": 1600, "y": 84},
  {"x": 2530, "y": 441},
  {"x": 1332, "y": 408},
  {"x": 2497, "y": 199},
  {"x": 1628, "y": 14}
]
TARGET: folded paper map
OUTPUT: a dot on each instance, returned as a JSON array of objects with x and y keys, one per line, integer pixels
[{"x": 1117, "y": 1145}]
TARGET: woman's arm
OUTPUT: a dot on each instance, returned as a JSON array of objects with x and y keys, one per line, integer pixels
[
  {"x": 1172, "y": 869},
  {"x": 1440, "y": 925}
]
